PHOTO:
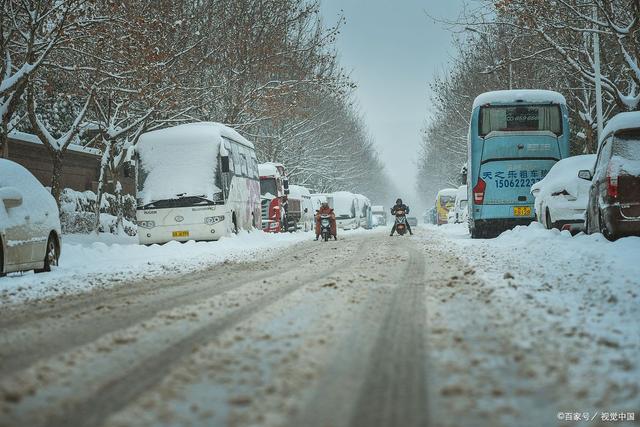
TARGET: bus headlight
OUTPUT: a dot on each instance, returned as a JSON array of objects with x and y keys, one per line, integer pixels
[
  {"x": 146, "y": 224},
  {"x": 213, "y": 219}
]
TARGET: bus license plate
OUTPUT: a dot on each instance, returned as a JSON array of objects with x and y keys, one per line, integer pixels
[
  {"x": 521, "y": 211},
  {"x": 180, "y": 234}
]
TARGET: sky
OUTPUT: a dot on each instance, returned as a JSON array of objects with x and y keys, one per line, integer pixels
[{"x": 393, "y": 51}]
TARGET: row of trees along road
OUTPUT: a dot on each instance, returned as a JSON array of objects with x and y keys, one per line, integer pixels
[
  {"x": 101, "y": 72},
  {"x": 531, "y": 44}
]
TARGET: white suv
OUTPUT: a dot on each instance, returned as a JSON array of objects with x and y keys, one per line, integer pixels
[{"x": 29, "y": 222}]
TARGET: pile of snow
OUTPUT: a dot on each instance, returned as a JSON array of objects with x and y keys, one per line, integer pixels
[
  {"x": 530, "y": 96},
  {"x": 564, "y": 176},
  {"x": 90, "y": 261},
  {"x": 182, "y": 160},
  {"x": 581, "y": 274}
]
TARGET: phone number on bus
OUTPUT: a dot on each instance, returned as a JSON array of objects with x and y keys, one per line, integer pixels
[{"x": 516, "y": 183}]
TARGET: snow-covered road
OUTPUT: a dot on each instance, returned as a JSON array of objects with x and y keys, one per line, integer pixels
[{"x": 434, "y": 330}]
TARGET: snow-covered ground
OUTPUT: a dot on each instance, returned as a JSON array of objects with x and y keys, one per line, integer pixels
[
  {"x": 566, "y": 314},
  {"x": 90, "y": 261}
]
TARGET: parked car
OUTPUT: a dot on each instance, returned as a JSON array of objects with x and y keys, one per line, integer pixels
[
  {"x": 29, "y": 222},
  {"x": 459, "y": 213},
  {"x": 412, "y": 221},
  {"x": 614, "y": 195},
  {"x": 561, "y": 197}
]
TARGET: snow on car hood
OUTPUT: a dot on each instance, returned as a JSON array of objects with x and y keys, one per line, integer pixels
[
  {"x": 564, "y": 176},
  {"x": 36, "y": 200}
]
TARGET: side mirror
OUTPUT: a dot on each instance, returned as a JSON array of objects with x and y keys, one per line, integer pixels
[
  {"x": 11, "y": 197},
  {"x": 585, "y": 174},
  {"x": 285, "y": 183},
  {"x": 224, "y": 161},
  {"x": 306, "y": 210}
]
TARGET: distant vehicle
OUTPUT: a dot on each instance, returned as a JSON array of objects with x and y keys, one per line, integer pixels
[
  {"x": 274, "y": 189},
  {"x": 614, "y": 195},
  {"x": 300, "y": 207},
  {"x": 429, "y": 216},
  {"x": 515, "y": 137},
  {"x": 445, "y": 201},
  {"x": 345, "y": 206},
  {"x": 29, "y": 222},
  {"x": 196, "y": 181},
  {"x": 379, "y": 215},
  {"x": 412, "y": 221},
  {"x": 460, "y": 212},
  {"x": 561, "y": 197},
  {"x": 364, "y": 210}
]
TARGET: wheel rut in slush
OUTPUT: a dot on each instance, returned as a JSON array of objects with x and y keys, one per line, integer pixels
[
  {"x": 132, "y": 382},
  {"x": 377, "y": 373}
]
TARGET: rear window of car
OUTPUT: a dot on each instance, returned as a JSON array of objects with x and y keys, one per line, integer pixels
[{"x": 627, "y": 145}]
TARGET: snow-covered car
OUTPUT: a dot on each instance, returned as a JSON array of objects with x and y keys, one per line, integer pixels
[
  {"x": 561, "y": 197},
  {"x": 412, "y": 221},
  {"x": 29, "y": 222},
  {"x": 614, "y": 194},
  {"x": 459, "y": 213}
]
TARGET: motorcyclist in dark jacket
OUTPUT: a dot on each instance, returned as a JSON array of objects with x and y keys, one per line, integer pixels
[{"x": 400, "y": 206}]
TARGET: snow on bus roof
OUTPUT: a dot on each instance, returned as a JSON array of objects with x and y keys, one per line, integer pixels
[
  {"x": 622, "y": 121},
  {"x": 535, "y": 96},
  {"x": 182, "y": 160}
]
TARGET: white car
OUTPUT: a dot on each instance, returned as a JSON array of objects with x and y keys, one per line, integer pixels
[
  {"x": 459, "y": 213},
  {"x": 29, "y": 222},
  {"x": 562, "y": 197}
]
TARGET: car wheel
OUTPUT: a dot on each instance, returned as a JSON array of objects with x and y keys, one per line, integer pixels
[
  {"x": 603, "y": 228},
  {"x": 547, "y": 220},
  {"x": 1, "y": 260},
  {"x": 51, "y": 256},
  {"x": 235, "y": 224}
]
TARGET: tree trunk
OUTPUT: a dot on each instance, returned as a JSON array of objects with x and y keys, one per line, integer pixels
[
  {"x": 4, "y": 142},
  {"x": 117, "y": 190},
  {"x": 56, "y": 175},
  {"x": 104, "y": 164}
]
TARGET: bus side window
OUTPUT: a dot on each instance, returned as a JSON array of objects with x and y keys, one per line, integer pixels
[{"x": 244, "y": 167}]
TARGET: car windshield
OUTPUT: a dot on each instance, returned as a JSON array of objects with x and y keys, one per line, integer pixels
[
  {"x": 268, "y": 186},
  {"x": 520, "y": 118}
]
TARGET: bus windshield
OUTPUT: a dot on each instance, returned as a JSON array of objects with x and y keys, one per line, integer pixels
[{"x": 520, "y": 118}]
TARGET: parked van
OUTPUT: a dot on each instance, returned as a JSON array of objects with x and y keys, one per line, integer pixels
[
  {"x": 345, "y": 206},
  {"x": 366, "y": 217},
  {"x": 300, "y": 207}
]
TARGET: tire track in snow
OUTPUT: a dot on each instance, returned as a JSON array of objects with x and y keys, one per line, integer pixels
[
  {"x": 113, "y": 309},
  {"x": 115, "y": 392},
  {"x": 376, "y": 376}
]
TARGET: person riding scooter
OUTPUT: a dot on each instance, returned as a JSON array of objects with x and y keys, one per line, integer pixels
[
  {"x": 326, "y": 210},
  {"x": 399, "y": 206}
]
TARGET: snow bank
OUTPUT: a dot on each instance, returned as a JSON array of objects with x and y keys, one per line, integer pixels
[
  {"x": 564, "y": 176},
  {"x": 523, "y": 95},
  {"x": 89, "y": 262},
  {"x": 581, "y": 275}
]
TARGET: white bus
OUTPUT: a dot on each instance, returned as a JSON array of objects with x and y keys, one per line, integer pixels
[{"x": 196, "y": 181}]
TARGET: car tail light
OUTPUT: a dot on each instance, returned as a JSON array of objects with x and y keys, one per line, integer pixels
[
  {"x": 612, "y": 184},
  {"x": 478, "y": 191}
]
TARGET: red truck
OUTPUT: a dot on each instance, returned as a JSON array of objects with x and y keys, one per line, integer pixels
[{"x": 274, "y": 189}]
